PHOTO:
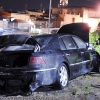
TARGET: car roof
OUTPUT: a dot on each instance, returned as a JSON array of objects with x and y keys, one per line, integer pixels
[{"x": 51, "y": 35}]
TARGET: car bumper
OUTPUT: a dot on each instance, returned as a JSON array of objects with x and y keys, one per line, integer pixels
[{"x": 25, "y": 76}]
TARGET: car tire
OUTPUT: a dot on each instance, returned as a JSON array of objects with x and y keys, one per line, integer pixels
[
  {"x": 96, "y": 63},
  {"x": 62, "y": 76}
]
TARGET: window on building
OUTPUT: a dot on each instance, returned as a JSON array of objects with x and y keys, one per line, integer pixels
[
  {"x": 77, "y": 13},
  {"x": 73, "y": 20}
]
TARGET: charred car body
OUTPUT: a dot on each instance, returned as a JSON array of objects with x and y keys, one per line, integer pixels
[{"x": 34, "y": 61}]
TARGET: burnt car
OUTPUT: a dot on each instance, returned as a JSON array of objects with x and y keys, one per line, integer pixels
[{"x": 28, "y": 62}]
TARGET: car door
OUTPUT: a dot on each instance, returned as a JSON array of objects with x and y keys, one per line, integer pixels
[
  {"x": 86, "y": 62},
  {"x": 72, "y": 55}
]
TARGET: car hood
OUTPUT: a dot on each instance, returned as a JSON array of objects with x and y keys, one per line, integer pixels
[
  {"x": 17, "y": 42},
  {"x": 79, "y": 29}
]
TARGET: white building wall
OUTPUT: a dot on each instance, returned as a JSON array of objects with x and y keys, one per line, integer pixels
[
  {"x": 68, "y": 18},
  {"x": 21, "y": 16},
  {"x": 3, "y": 24},
  {"x": 92, "y": 22}
]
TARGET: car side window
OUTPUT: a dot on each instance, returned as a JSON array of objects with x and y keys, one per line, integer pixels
[
  {"x": 79, "y": 42},
  {"x": 69, "y": 43},
  {"x": 62, "y": 45}
]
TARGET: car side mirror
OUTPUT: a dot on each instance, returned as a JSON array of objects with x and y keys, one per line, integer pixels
[{"x": 90, "y": 46}]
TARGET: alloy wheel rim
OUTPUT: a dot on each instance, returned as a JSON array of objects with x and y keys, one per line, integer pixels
[{"x": 63, "y": 76}]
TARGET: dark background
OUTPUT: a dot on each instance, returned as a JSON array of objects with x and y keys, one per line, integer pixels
[{"x": 44, "y": 4}]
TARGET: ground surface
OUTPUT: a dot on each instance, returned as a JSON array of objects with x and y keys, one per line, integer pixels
[{"x": 86, "y": 87}]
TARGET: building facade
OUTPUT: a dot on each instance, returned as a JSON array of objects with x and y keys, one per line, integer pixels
[{"x": 68, "y": 15}]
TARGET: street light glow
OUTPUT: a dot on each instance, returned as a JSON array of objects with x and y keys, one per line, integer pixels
[{"x": 49, "y": 15}]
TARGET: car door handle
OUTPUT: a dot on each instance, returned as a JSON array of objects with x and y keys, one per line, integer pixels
[
  {"x": 82, "y": 52},
  {"x": 67, "y": 54}
]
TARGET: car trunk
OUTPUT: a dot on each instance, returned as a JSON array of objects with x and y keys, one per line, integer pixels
[
  {"x": 12, "y": 60},
  {"x": 15, "y": 50}
]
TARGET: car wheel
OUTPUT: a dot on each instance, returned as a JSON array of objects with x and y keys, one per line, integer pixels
[
  {"x": 62, "y": 76},
  {"x": 96, "y": 63}
]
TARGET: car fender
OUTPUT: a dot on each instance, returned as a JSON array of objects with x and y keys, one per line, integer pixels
[{"x": 61, "y": 59}]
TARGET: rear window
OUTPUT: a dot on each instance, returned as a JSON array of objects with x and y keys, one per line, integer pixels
[
  {"x": 8, "y": 40},
  {"x": 43, "y": 40}
]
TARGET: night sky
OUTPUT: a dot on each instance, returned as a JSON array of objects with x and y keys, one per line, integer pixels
[{"x": 36, "y": 4}]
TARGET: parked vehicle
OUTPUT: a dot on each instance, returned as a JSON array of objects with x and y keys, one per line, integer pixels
[{"x": 28, "y": 62}]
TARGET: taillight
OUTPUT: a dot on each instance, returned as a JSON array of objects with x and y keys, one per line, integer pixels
[{"x": 36, "y": 60}]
